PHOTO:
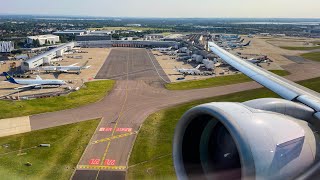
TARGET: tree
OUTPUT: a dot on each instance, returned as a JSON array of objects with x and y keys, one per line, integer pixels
[
  {"x": 63, "y": 39},
  {"x": 38, "y": 43},
  {"x": 34, "y": 43}
]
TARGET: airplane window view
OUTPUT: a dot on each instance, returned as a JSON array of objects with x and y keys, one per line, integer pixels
[{"x": 130, "y": 90}]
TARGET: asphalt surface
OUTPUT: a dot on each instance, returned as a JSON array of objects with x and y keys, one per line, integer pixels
[
  {"x": 138, "y": 65},
  {"x": 296, "y": 59},
  {"x": 138, "y": 93}
]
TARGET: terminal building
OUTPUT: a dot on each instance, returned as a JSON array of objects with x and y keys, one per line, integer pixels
[
  {"x": 127, "y": 43},
  {"x": 46, "y": 57},
  {"x": 6, "y": 46},
  {"x": 93, "y": 37},
  {"x": 43, "y": 39},
  {"x": 153, "y": 36},
  {"x": 102, "y": 32},
  {"x": 71, "y": 32}
]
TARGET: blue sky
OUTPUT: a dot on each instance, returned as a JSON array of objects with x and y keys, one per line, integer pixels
[{"x": 166, "y": 8}]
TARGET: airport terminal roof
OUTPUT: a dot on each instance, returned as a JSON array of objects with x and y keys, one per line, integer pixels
[
  {"x": 43, "y": 36},
  {"x": 49, "y": 52},
  {"x": 68, "y": 31}
]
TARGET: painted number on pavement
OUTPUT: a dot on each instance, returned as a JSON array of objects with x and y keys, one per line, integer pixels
[
  {"x": 94, "y": 161},
  {"x": 123, "y": 129},
  {"x": 103, "y": 129},
  {"x": 109, "y": 162}
]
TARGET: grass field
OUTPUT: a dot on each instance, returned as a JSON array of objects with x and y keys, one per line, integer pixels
[
  {"x": 314, "y": 56},
  {"x": 94, "y": 91},
  {"x": 166, "y": 33},
  {"x": 300, "y": 48},
  {"x": 216, "y": 81},
  {"x": 56, "y": 162},
  {"x": 156, "y": 134}
]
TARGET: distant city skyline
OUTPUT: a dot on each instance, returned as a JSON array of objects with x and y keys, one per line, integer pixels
[{"x": 166, "y": 8}]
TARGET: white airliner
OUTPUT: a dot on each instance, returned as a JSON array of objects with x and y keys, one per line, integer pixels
[
  {"x": 34, "y": 83},
  {"x": 192, "y": 71},
  {"x": 163, "y": 49},
  {"x": 253, "y": 61},
  {"x": 64, "y": 69}
]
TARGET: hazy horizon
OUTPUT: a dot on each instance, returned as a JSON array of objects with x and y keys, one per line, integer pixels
[{"x": 165, "y": 8}]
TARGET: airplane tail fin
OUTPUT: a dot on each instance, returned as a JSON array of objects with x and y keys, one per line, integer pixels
[
  {"x": 85, "y": 65},
  {"x": 247, "y": 44},
  {"x": 38, "y": 77},
  {"x": 242, "y": 40},
  {"x": 9, "y": 78}
]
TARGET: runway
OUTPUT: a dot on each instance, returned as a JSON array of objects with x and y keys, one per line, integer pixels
[
  {"x": 138, "y": 93},
  {"x": 108, "y": 152},
  {"x": 137, "y": 64}
]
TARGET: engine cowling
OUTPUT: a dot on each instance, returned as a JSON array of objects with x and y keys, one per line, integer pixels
[{"x": 242, "y": 141}]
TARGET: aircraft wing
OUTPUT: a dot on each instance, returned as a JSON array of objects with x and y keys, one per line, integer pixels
[
  {"x": 62, "y": 70},
  {"x": 86, "y": 67},
  {"x": 281, "y": 86},
  {"x": 27, "y": 86},
  {"x": 74, "y": 64}
]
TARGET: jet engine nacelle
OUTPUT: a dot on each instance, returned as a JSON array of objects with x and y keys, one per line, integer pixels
[{"x": 260, "y": 139}]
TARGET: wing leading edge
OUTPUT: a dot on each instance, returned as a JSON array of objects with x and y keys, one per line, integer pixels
[{"x": 281, "y": 86}]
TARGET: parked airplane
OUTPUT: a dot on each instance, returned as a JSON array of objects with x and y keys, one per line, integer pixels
[
  {"x": 34, "y": 83},
  {"x": 192, "y": 71},
  {"x": 235, "y": 41},
  {"x": 64, "y": 69},
  {"x": 163, "y": 49},
  {"x": 230, "y": 37},
  {"x": 184, "y": 58},
  {"x": 254, "y": 61},
  {"x": 170, "y": 53},
  {"x": 238, "y": 45}
]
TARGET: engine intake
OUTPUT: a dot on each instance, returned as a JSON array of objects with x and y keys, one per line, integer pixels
[{"x": 235, "y": 141}]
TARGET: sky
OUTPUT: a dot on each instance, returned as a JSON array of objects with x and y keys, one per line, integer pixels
[{"x": 167, "y": 8}]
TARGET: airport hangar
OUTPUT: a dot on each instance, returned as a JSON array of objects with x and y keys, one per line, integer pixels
[{"x": 58, "y": 52}]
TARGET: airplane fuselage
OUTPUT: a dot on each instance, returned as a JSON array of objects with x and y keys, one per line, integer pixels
[
  {"x": 39, "y": 82},
  {"x": 61, "y": 68}
]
